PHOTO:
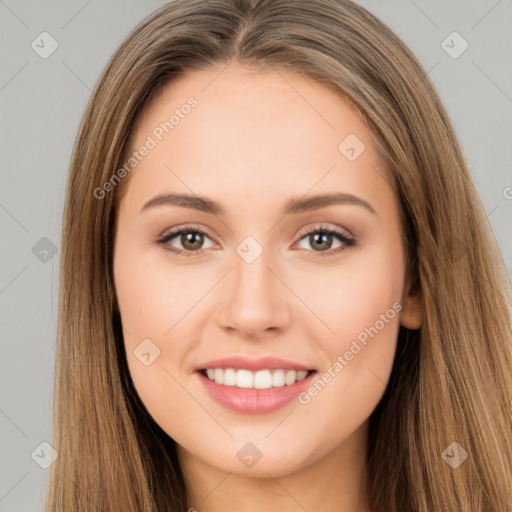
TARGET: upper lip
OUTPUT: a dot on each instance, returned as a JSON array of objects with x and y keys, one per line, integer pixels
[{"x": 262, "y": 363}]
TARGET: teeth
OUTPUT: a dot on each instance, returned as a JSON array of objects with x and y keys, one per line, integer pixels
[
  {"x": 219, "y": 376},
  {"x": 229, "y": 377},
  {"x": 262, "y": 379},
  {"x": 244, "y": 379},
  {"x": 278, "y": 379}
]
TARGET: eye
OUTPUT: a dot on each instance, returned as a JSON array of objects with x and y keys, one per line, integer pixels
[
  {"x": 321, "y": 239},
  {"x": 191, "y": 239}
]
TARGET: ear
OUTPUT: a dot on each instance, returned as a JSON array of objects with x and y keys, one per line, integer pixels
[{"x": 412, "y": 308}]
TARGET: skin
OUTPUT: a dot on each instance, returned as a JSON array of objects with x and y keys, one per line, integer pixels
[{"x": 256, "y": 140}]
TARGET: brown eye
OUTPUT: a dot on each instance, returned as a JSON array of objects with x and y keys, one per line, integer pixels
[
  {"x": 321, "y": 240},
  {"x": 190, "y": 239}
]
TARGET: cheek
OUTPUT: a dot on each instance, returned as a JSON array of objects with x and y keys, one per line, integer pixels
[
  {"x": 351, "y": 297},
  {"x": 161, "y": 310},
  {"x": 360, "y": 304},
  {"x": 150, "y": 308},
  {"x": 152, "y": 296}
]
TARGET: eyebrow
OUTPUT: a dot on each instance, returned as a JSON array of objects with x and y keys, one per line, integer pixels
[{"x": 293, "y": 206}]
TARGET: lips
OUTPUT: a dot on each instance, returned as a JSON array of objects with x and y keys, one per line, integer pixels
[
  {"x": 276, "y": 382},
  {"x": 254, "y": 365},
  {"x": 254, "y": 401}
]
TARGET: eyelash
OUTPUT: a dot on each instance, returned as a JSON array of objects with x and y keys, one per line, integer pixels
[{"x": 164, "y": 239}]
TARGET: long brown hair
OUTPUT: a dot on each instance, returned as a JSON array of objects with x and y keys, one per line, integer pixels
[{"x": 452, "y": 379}]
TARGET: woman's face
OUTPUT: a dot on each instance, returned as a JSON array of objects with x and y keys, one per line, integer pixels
[{"x": 253, "y": 276}]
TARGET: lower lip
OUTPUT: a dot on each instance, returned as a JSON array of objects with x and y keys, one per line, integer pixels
[{"x": 254, "y": 401}]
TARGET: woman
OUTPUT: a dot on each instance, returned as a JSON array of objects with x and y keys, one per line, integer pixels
[{"x": 210, "y": 355}]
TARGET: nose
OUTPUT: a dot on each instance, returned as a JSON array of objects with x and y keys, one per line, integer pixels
[{"x": 255, "y": 300}]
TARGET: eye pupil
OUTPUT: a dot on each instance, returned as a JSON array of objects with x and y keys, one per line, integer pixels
[{"x": 319, "y": 237}]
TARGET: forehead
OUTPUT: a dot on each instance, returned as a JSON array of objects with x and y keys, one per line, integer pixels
[{"x": 254, "y": 131}]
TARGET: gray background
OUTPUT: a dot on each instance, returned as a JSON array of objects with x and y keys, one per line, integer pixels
[{"x": 41, "y": 104}]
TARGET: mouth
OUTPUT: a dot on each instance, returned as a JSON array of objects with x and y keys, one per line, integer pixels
[
  {"x": 262, "y": 379},
  {"x": 254, "y": 392}
]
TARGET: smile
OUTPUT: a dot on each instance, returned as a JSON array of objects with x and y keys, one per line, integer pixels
[
  {"x": 249, "y": 398},
  {"x": 246, "y": 379}
]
